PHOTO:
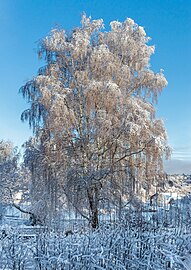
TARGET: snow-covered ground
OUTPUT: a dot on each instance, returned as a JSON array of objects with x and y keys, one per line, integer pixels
[
  {"x": 162, "y": 241},
  {"x": 157, "y": 237}
]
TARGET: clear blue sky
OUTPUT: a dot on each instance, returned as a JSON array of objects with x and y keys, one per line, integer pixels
[{"x": 167, "y": 22}]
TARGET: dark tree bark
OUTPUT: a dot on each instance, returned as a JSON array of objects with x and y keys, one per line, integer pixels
[
  {"x": 93, "y": 194},
  {"x": 33, "y": 218}
]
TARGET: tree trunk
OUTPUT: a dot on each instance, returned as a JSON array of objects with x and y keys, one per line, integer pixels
[
  {"x": 94, "y": 218},
  {"x": 120, "y": 209},
  {"x": 93, "y": 204}
]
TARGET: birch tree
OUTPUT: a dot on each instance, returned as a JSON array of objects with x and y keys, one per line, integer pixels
[
  {"x": 94, "y": 100},
  {"x": 8, "y": 170},
  {"x": 14, "y": 180}
]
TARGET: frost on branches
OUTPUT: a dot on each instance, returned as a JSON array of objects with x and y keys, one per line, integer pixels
[
  {"x": 14, "y": 182},
  {"x": 97, "y": 141},
  {"x": 9, "y": 172}
]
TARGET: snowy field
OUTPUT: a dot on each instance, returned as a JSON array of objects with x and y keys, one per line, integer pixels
[{"x": 134, "y": 243}]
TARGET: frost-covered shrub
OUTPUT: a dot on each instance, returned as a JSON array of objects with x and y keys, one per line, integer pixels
[{"x": 124, "y": 245}]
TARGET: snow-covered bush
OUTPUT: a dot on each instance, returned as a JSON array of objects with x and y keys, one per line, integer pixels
[{"x": 131, "y": 244}]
